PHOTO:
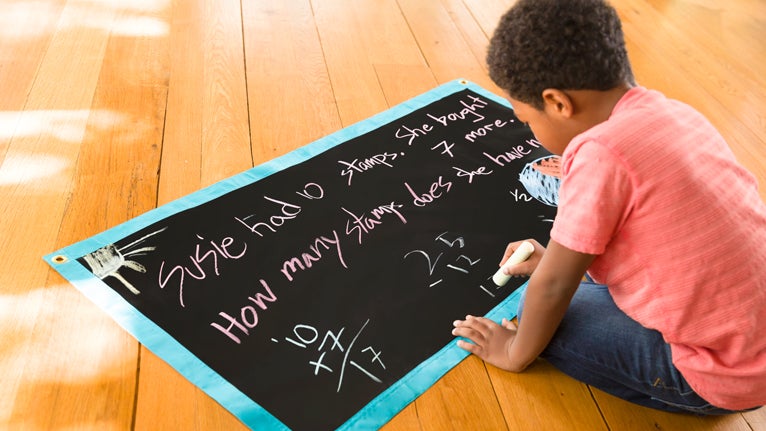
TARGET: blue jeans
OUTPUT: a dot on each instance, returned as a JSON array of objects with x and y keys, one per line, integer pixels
[{"x": 600, "y": 345}]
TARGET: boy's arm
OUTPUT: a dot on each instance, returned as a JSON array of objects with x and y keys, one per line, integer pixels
[{"x": 549, "y": 292}]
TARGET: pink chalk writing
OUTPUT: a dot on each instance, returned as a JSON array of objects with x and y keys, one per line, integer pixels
[
  {"x": 435, "y": 191},
  {"x": 201, "y": 264},
  {"x": 363, "y": 224},
  {"x": 307, "y": 259},
  {"x": 248, "y": 315}
]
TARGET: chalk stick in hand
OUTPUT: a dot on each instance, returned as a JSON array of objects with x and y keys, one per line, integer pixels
[{"x": 520, "y": 255}]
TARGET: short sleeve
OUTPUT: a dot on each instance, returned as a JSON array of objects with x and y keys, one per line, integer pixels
[{"x": 595, "y": 198}]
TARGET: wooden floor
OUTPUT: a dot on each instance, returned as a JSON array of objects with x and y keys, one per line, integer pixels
[{"x": 109, "y": 108}]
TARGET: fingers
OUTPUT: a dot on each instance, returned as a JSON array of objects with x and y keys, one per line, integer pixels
[
  {"x": 526, "y": 268},
  {"x": 474, "y": 330},
  {"x": 508, "y": 324},
  {"x": 469, "y": 347},
  {"x": 473, "y": 323},
  {"x": 478, "y": 330},
  {"x": 511, "y": 247},
  {"x": 486, "y": 339}
]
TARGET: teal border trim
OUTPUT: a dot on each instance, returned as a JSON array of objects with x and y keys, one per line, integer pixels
[{"x": 381, "y": 409}]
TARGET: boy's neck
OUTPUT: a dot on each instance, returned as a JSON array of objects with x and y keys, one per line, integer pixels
[{"x": 594, "y": 107}]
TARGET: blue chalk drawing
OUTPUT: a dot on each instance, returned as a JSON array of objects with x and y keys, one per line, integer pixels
[{"x": 543, "y": 187}]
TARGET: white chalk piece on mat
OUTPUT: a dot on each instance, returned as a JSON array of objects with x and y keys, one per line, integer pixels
[{"x": 520, "y": 255}]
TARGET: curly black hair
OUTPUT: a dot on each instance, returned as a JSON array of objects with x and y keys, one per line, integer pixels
[{"x": 562, "y": 44}]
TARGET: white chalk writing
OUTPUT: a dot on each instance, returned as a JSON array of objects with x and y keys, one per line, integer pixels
[
  {"x": 358, "y": 166},
  {"x": 306, "y": 336}
]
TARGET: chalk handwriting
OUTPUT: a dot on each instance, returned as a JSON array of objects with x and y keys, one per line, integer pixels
[
  {"x": 411, "y": 133},
  {"x": 306, "y": 336},
  {"x": 468, "y": 111},
  {"x": 204, "y": 258},
  {"x": 447, "y": 148},
  {"x": 287, "y": 211},
  {"x": 248, "y": 315},
  {"x": 307, "y": 259},
  {"x": 484, "y": 130},
  {"x": 311, "y": 191},
  {"x": 461, "y": 263},
  {"x": 362, "y": 224},
  {"x": 520, "y": 196},
  {"x": 517, "y": 152},
  {"x": 358, "y": 166},
  {"x": 435, "y": 191},
  {"x": 431, "y": 265},
  {"x": 460, "y": 241},
  {"x": 470, "y": 174}
]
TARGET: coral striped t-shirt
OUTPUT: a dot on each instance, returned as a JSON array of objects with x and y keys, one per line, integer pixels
[{"x": 679, "y": 231}]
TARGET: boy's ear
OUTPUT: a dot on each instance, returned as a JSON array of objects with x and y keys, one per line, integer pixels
[{"x": 557, "y": 101}]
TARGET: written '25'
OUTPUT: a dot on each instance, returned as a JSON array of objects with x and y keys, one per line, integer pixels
[{"x": 462, "y": 263}]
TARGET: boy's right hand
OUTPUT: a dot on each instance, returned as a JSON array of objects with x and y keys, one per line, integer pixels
[{"x": 528, "y": 266}]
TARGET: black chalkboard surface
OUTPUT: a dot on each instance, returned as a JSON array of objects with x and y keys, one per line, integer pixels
[{"x": 312, "y": 284}]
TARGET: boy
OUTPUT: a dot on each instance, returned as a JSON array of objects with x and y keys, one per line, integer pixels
[{"x": 652, "y": 205}]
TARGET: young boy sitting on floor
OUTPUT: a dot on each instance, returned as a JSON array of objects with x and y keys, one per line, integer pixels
[{"x": 652, "y": 204}]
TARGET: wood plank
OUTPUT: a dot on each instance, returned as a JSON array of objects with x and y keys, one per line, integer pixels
[
  {"x": 91, "y": 117},
  {"x": 290, "y": 97},
  {"x": 622, "y": 415},
  {"x": 384, "y": 33},
  {"x": 406, "y": 420},
  {"x": 462, "y": 399},
  {"x": 728, "y": 33},
  {"x": 355, "y": 85},
  {"x": 401, "y": 82},
  {"x": 487, "y": 13},
  {"x": 468, "y": 20},
  {"x": 544, "y": 398},
  {"x": 116, "y": 180},
  {"x": 26, "y": 32},
  {"x": 756, "y": 419},
  {"x": 206, "y": 140},
  {"x": 448, "y": 54}
]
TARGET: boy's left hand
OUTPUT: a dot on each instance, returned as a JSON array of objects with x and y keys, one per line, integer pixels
[{"x": 489, "y": 341}]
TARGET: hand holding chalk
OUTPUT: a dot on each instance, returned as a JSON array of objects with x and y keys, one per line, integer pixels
[{"x": 519, "y": 255}]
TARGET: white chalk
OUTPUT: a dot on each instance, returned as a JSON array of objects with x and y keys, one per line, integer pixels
[{"x": 520, "y": 255}]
